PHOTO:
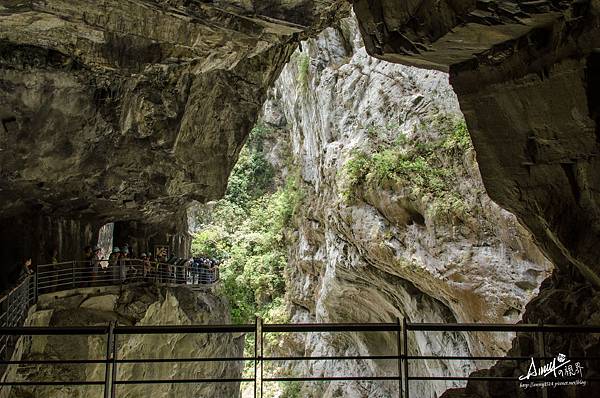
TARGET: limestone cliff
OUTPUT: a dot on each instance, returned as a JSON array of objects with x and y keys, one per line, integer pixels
[
  {"x": 139, "y": 305},
  {"x": 371, "y": 246}
]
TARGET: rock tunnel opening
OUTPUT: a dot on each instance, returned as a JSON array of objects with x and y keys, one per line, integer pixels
[{"x": 148, "y": 99}]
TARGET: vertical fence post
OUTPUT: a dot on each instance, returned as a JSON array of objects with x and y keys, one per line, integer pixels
[
  {"x": 260, "y": 354},
  {"x": 255, "y": 355},
  {"x": 107, "y": 367},
  {"x": 405, "y": 337},
  {"x": 399, "y": 352},
  {"x": 542, "y": 352},
  {"x": 113, "y": 379},
  {"x": 35, "y": 287}
]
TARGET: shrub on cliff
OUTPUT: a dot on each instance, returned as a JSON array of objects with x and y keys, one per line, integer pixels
[{"x": 427, "y": 166}]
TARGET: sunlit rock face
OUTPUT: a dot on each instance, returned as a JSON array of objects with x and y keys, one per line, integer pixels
[
  {"x": 526, "y": 76},
  {"x": 528, "y": 88},
  {"x": 142, "y": 305},
  {"x": 389, "y": 252},
  {"x": 129, "y": 110}
]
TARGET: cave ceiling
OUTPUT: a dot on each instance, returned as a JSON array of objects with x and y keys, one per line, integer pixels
[{"x": 131, "y": 109}]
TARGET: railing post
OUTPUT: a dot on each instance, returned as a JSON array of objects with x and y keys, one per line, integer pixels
[
  {"x": 36, "y": 292},
  {"x": 255, "y": 355},
  {"x": 113, "y": 379},
  {"x": 107, "y": 367},
  {"x": 542, "y": 352},
  {"x": 73, "y": 274},
  {"x": 260, "y": 354},
  {"x": 400, "y": 358},
  {"x": 405, "y": 338}
]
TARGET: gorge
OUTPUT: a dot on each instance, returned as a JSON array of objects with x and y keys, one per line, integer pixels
[{"x": 128, "y": 112}]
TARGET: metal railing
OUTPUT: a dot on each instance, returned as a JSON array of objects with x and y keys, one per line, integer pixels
[
  {"x": 73, "y": 274},
  {"x": 15, "y": 303},
  {"x": 14, "y": 306},
  {"x": 399, "y": 355}
]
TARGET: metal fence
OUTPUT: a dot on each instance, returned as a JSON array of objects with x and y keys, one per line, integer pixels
[
  {"x": 399, "y": 355},
  {"x": 74, "y": 274},
  {"x": 14, "y": 307},
  {"x": 15, "y": 303}
]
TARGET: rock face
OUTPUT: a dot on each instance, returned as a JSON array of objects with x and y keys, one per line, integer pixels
[
  {"x": 129, "y": 110},
  {"x": 141, "y": 305},
  {"x": 562, "y": 301},
  {"x": 529, "y": 99},
  {"x": 529, "y": 96},
  {"x": 394, "y": 247}
]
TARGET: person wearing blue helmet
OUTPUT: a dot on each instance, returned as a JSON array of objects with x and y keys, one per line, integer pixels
[{"x": 113, "y": 262}]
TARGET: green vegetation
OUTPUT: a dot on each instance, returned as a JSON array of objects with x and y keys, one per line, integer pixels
[
  {"x": 291, "y": 389},
  {"x": 246, "y": 230},
  {"x": 424, "y": 165},
  {"x": 303, "y": 71}
]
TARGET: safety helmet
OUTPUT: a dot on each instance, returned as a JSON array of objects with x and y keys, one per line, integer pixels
[{"x": 116, "y": 250}]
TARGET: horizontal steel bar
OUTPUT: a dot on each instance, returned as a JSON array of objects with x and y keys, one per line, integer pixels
[
  {"x": 500, "y": 327},
  {"x": 475, "y": 358},
  {"x": 346, "y": 357},
  {"x": 330, "y": 378},
  {"x": 52, "y": 383},
  {"x": 492, "y": 378},
  {"x": 54, "y": 362},
  {"x": 49, "y": 331},
  {"x": 168, "y": 329},
  {"x": 184, "y": 381},
  {"x": 330, "y": 327},
  {"x": 277, "y": 328},
  {"x": 191, "y": 360}
]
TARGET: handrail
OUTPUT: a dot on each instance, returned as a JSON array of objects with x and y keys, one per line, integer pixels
[
  {"x": 14, "y": 307},
  {"x": 67, "y": 275},
  {"x": 398, "y": 354}
]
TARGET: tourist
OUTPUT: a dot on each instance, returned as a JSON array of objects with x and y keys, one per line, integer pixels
[
  {"x": 147, "y": 266},
  {"x": 27, "y": 267},
  {"x": 124, "y": 262},
  {"x": 87, "y": 254},
  {"x": 97, "y": 258},
  {"x": 113, "y": 263},
  {"x": 54, "y": 256},
  {"x": 80, "y": 274},
  {"x": 195, "y": 270}
]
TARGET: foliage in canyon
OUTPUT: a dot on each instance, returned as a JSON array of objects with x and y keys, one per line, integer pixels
[{"x": 247, "y": 231}]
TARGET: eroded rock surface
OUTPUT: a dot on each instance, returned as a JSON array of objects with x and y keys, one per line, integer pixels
[
  {"x": 397, "y": 247},
  {"x": 135, "y": 305},
  {"x": 529, "y": 98}
]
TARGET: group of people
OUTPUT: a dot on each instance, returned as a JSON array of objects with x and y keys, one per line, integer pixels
[
  {"x": 204, "y": 269},
  {"x": 123, "y": 265}
]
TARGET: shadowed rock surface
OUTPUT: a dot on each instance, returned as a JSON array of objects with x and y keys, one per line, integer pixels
[{"x": 129, "y": 110}]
